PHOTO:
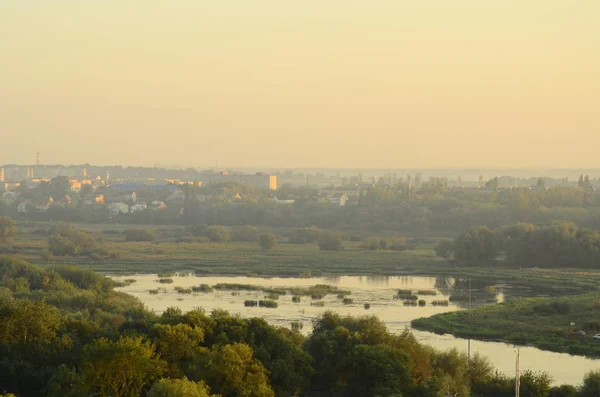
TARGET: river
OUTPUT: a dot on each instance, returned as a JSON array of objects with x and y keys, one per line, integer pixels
[{"x": 378, "y": 291}]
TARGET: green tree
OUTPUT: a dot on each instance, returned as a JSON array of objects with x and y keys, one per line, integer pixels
[
  {"x": 25, "y": 321},
  {"x": 267, "y": 241},
  {"x": 331, "y": 241},
  {"x": 591, "y": 385},
  {"x": 65, "y": 382},
  {"x": 232, "y": 371},
  {"x": 217, "y": 234},
  {"x": 66, "y": 240},
  {"x": 476, "y": 245},
  {"x": 444, "y": 249},
  {"x": 379, "y": 370},
  {"x": 177, "y": 344},
  {"x": 121, "y": 368},
  {"x": 563, "y": 391},
  {"x": 59, "y": 187},
  {"x": 179, "y": 388},
  {"x": 8, "y": 228},
  {"x": 535, "y": 384}
]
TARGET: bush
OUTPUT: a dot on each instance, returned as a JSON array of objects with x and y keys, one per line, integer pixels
[
  {"x": 397, "y": 244},
  {"x": 367, "y": 306},
  {"x": 297, "y": 326},
  {"x": 592, "y": 325},
  {"x": 422, "y": 302},
  {"x": 245, "y": 233},
  {"x": 166, "y": 281},
  {"x": 217, "y": 234},
  {"x": 371, "y": 244},
  {"x": 140, "y": 235},
  {"x": 268, "y": 304},
  {"x": 202, "y": 288},
  {"x": 250, "y": 303},
  {"x": 296, "y": 299},
  {"x": 331, "y": 241},
  {"x": 348, "y": 301},
  {"x": 267, "y": 241}
]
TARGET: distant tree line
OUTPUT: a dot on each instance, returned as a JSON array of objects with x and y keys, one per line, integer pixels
[
  {"x": 526, "y": 245},
  {"x": 392, "y": 208}
]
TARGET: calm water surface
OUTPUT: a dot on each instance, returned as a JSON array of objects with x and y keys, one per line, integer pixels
[{"x": 378, "y": 291}]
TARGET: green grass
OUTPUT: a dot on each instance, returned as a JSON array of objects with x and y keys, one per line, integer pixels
[{"x": 541, "y": 322}]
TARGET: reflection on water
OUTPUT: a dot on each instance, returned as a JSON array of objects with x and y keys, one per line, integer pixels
[{"x": 379, "y": 292}]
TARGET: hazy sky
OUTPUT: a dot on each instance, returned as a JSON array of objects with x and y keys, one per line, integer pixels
[{"x": 340, "y": 83}]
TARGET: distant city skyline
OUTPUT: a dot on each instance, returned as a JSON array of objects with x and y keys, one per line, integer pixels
[{"x": 336, "y": 84}]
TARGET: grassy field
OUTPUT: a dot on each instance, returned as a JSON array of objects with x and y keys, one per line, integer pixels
[
  {"x": 541, "y": 322},
  {"x": 286, "y": 259}
]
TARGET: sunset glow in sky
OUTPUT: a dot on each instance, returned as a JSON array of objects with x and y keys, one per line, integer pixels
[{"x": 336, "y": 83}]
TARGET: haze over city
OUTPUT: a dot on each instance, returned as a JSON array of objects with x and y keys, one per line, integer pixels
[{"x": 296, "y": 84}]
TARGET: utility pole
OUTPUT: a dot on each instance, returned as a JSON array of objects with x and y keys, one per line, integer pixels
[
  {"x": 518, "y": 376},
  {"x": 469, "y": 339}
]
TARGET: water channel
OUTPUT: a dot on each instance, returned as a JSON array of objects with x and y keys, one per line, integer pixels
[{"x": 378, "y": 291}]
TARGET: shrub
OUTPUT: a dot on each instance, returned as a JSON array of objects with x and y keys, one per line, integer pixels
[
  {"x": 440, "y": 303},
  {"x": 367, "y": 306},
  {"x": 397, "y": 244},
  {"x": 140, "y": 235},
  {"x": 166, "y": 281},
  {"x": 331, "y": 241},
  {"x": 202, "y": 288},
  {"x": 268, "y": 304},
  {"x": 245, "y": 233},
  {"x": 318, "y": 303},
  {"x": 427, "y": 292},
  {"x": 422, "y": 302},
  {"x": 250, "y": 303},
  {"x": 348, "y": 301},
  {"x": 217, "y": 234},
  {"x": 297, "y": 326},
  {"x": 273, "y": 297},
  {"x": 592, "y": 325},
  {"x": 267, "y": 241},
  {"x": 371, "y": 244},
  {"x": 406, "y": 295},
  {"x": 296, "y": 299}
]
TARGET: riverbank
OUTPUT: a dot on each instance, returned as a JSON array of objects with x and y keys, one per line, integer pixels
[{"x": 545, "y": 323}]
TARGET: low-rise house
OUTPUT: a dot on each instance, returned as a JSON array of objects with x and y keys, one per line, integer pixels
[
  {"x": 94, "y": 199},
  {"x": 10, "y": 197},
  {"x": 75, "y": 185},
  {"x": 43, "y": 206},
  {"x": 339, "y": 199},
  {"x": 24, "y": 206},
  {"x": 279, "y": 201},
  {"x": 118, "y": 208},
  {"x": 138, "y": 207},
  {"x": 158, "y": 205}
]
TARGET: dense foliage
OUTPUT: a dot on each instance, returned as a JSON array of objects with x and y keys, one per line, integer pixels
[
  {"x": 385, "y": 206},
  {"x": 65, "y": 332},
  {"x": 526, "y": 245}
]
